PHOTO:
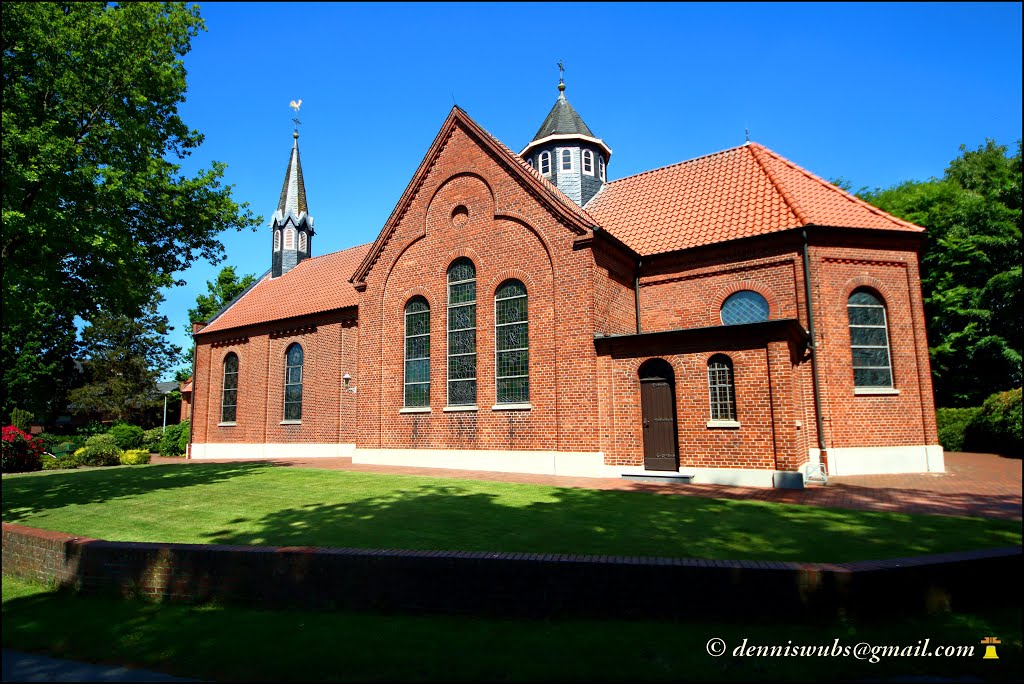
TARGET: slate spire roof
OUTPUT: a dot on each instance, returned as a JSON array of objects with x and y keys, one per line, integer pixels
[
  {"x": 293, "y": 192},
  {"x": 564, "y": 122}
]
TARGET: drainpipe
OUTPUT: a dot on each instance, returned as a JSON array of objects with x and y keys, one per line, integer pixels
[
  {"x": 636, "y": 295},
  {"x": 814, "y": 355}
]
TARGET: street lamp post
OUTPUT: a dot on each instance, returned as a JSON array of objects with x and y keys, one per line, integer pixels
[{"x": 165, "y": 411}]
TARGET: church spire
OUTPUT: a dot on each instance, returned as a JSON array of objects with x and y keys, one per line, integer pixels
[{"x": 292, "y": 225}]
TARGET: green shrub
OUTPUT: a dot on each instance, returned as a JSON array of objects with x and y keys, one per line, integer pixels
[
  {"x": 53, "y": 442},
  {"x": 100, "y": 455},
  {"x": 134, "y": 457},
  {"x": 151, "y": 439},
  {"x": 953, "y": 425},
  {"x": 93, "y": 427},
  {"x": 127, "y": 436},
  {"x": 105, "y": 439},
  {"x": 186, "y": 433},
  {"x": 20, "y": 418},
  {"x": 996, "y": 428},
  {"x": 170, "y": 443},
  {"x": 60, "y": 462}
]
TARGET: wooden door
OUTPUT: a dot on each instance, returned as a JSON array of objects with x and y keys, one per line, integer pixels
[{"x": 657, "y": 403}]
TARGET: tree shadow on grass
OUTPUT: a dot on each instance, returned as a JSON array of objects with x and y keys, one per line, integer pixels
[
  {"x": 24, "y": 496},
  {"x": 602, "y": 522}
]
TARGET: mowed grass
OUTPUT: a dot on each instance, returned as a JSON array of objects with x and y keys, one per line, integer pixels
[
  {"x": 232, "y": 643},
  {"x": 263, "y": 504}
]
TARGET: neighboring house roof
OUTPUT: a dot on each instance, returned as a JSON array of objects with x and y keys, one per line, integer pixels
[
  {"x": 314, "y": 286},
  {"x": 186, "y": 387},
  {"x": 165, "y": 387},
  {"x": 737, "y": 193}
]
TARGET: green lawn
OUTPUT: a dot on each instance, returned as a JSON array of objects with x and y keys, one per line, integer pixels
[
  {"x": 230, "y": 643},
  {"x": 258, "y": 503}
]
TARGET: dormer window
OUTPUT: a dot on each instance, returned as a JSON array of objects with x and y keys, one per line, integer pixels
[
  {"x": 588, "y": 162},
  {"x": 545, "y": 163},
  {"x": 567, "y": 160}
]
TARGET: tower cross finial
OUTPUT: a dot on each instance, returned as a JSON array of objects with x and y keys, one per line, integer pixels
[
  {"x": 561, "y": 76},
  {"x": 295, "y": 105}
]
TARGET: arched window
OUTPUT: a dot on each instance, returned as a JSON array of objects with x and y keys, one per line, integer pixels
[
  {"x": 600, "y": 166},
  {"x": 277, "y": 241},
  {"x": 567, "y": 160},
  {"x": 721, "y": 388},
  {"x": 303, "y": 241},
  {"x": 511, "y": 343},
  {"x": 869, "y": 340},
  {"x": 461, "y": 333},
  {"x": 545, "y": 163},
  {"x": 229, "y": 393},
  {"x": 289, "y": 238},
  {"x": 745, "y": 306},
  {"x": 530, "y": 162},
  {"x": 293, "y": 382},
  {"x": 417, "y": 352},
  {"x": 588, "y": 162}
]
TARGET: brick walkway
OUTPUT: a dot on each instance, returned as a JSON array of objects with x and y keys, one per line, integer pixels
[{"x": 983, "y": 485}]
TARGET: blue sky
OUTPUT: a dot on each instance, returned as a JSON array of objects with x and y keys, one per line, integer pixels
[{"x": 875, "y": 93}]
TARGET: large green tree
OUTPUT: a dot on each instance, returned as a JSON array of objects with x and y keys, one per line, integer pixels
[
  {"x": 971, "y": 270},
  {"x": 97, "y": 214},
  {"x": 219, "y": 293}
]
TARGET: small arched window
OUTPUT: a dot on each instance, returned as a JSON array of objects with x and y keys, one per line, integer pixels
[
  {"x": 567, "y": 160},
  {"x": 303, "y": 241},
  {"x": 229, "y": 392},
  {"x": 600, "y": 166},
  {"x": 745, "y": 306},
  {"x": 417, "y": 352},
  {"x": 545, "y": 163},
  {"x": 588, "y": 162},
  {"x": 869, "y": 340},
  {"x": 462, "y": 333},
  {"x": 277, "y": 241},
  {"x": 721, "y": 388},
  {"x": 293, "y": 382},
  {"x": 511, "y": 344},
  {"x": 289, "y": 238}
]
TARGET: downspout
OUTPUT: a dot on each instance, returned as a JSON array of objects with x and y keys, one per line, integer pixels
[
  {"x": 636, "y": 294},
  {"x": 192, "y": 404},
  {"x": 814, "y": 355}
]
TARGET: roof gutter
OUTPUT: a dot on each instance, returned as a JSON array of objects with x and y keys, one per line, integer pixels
[{"x": 813, "y": 347}]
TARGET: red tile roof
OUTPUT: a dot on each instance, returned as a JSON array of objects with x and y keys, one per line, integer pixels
[
  {"x": 314, "y": 286},
  {"x": 737, "y": 193}
]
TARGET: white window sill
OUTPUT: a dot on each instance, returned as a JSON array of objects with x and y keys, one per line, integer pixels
[
  {"x": 414, "y": 409},
  {"x": 723, "y": 424},
  {"x": 231, "y": 424},
  {"x": 290, "y": 422},
  {"x": 455, "y": 409},
  {"x": 512, "y": 407},
  {"x": 877, "y": 391}
]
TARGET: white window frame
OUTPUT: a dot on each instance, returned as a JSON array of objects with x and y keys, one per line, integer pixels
[
  {"x": 277, "y": 240},
  {"x": 544, "y": 161},
  {"x": 888, "y": 346},
  {"x": 600, "y": 166},
  {"x": 303, "y": 242},
  {"x": 497, "y": 332},
  {"x": 562, "y": 154},
  {"x": 722, "y": 410},
  {"x": 289, "y": 238},
  {"x": 588, "y": 162}
]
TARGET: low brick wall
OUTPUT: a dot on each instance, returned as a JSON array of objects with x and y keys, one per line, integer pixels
[{"x": 512, "y": 584}]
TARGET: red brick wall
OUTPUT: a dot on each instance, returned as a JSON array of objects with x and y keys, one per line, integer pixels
[
  {"x": 330, "y": 344},
  {"x": 508, "y": 234}
]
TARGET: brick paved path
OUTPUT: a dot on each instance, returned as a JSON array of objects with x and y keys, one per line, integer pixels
[{"x": 983, "y": 485}]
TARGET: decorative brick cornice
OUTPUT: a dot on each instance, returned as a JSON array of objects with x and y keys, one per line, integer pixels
[
  {"x": 863, "y": 262},
  {"x": 708, "y": 271},
  {"x": 229, "y": 342},
  {"x": 292, "y": 332}
]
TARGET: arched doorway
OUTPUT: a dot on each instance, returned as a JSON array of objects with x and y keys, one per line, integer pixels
[{"x": 658, "y": 408}]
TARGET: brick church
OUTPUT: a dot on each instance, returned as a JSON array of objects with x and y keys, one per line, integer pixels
[{"x": 732, "y": 319}]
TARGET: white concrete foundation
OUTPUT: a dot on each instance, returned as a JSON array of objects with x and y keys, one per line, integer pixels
[
  {"x": 201, "y": 451},
  {"x": 882, "y": 460},
  {"x": 579, "y": 464},
  {"x": 740, "y": 477}
]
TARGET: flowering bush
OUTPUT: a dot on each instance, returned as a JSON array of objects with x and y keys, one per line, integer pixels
[{"x": 21, "y": 453}]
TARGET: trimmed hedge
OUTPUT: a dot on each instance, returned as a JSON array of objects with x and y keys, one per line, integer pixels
[
  {"x": 135, "y": 457},
  {"x": 99, "y": 454},
  {"x": 61, "y": 462},
  {"x": 127, "y": 436},
  {"x": 993, "y": 427},
  {"x": 952, "y": 426}
]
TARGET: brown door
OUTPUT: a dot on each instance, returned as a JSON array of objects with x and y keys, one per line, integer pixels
[{"x": 657, "y": 403}]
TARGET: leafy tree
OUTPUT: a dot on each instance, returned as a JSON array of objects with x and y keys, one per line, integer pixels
[
  {"x": 220, "y": 292},
  {"x": 96, "y": 213},
  {"x": 971, "y": 270},
  {"x": 125, "y": 356}
]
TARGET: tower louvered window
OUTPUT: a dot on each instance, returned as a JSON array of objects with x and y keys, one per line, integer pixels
[
  {"x": 289, "y": 238},
  {"x": 303, "y": 241},
  {"x": 277, "y": 241},
  {"x": 462, "y": 333},
  {"x": 417, "y": 352},
  {"x": 511, "y": 343}
]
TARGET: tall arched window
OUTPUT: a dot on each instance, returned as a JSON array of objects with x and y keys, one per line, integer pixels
[
  {"x": 745, "y": 306},
  {"x": 600, "y": 166},
  {"x": 721, "y": 388},
  {"x": 303, "y": 242},
  {"x": 417, "y": 352},
  {"x": 277, "y": 241},
  {"x": 567, "y": 160},
  {"x": 289, "y": 238},
  {"x": 869, "y": 340},
  {"x": 229, "y": 393},
  {"x": 293, "y": 382},
  {"x": 545, "y": 163},
  {"x": 511, "y": 343},
  {"x": 588, "y": 162},
  {"x": 461, "y": 333}
]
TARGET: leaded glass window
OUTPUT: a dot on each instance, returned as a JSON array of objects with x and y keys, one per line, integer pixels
[
  {"x": 588, "y": 162},
  {"x": 545, "y": 163},
  {"x": 417, "y": 352},
  {"x": 512, "y": 343},
  {"x": 461, "y": 333},
  {"x": 229, "y": 394},
  {"x": 869, "y": 340},
  {"x": 293, "y": 382},
  {"x": 721, "y": 388},
  {"x": 567, "y": 160},
  {"x": 745, "y": 306}
]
